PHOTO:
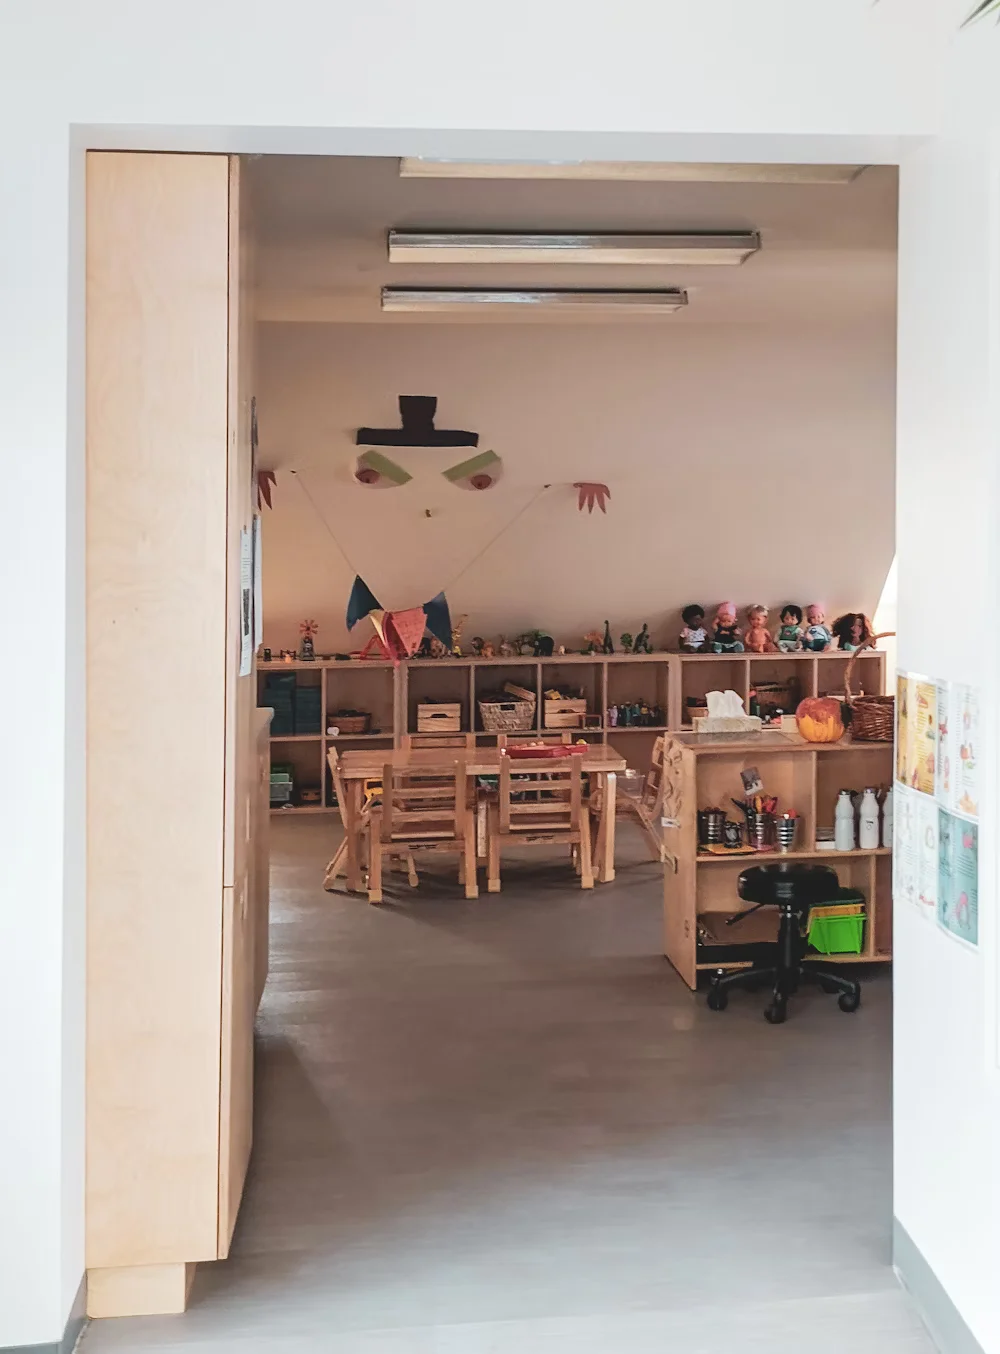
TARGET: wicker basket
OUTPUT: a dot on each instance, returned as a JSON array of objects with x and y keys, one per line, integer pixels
[
  {"x": 873, "y": 718},
  {"x": 515, "y": 714},
  {"x": 348, "y": 724}
]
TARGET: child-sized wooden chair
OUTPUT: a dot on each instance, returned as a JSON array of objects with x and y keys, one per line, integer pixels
[
  {"x": 540, "y": 802},
  {"x": 423, "y": 808},
  {"x": 361, "y": 828},
  {"x": 646, "y": 808}
]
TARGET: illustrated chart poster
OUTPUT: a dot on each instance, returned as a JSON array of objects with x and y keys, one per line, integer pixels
[
  {"x": 958, "y": 877},
  {"x": 915, "y": 853},
  {"x": 916, "y": 732}
]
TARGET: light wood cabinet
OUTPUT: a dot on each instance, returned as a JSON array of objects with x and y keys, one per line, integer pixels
[
  {"x": 704, "y": 772},
  {"x": 175, "y": 870}
]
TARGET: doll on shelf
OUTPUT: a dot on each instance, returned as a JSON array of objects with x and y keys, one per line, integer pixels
[
  {"x": 789, "y": 637},
  {"x": 728, "y": 637},
  {"x": 818, "y": 637},
  {"x": 758, "y": 637},
  {"x": 852, "y": 631},
  {"x": 694, "y": 636}
]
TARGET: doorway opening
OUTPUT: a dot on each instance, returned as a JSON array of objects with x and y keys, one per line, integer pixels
[{"x": 511, "y": 1113}]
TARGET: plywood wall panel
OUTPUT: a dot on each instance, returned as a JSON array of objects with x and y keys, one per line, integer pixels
[{"x": 157, "y": 340}]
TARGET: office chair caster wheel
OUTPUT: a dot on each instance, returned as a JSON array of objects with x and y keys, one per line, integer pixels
[
  {"x": 718, "y": 998},
  {"x": 776, "y": 1013},
  {"x": 850, "y": 1001}
]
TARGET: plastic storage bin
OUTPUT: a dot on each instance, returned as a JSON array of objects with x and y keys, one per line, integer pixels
[{"x": 839, "y": 928}]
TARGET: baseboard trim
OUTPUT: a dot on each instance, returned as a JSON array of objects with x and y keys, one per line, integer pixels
[
  {"x": 939, "y": 1314},
  {"x": 75, "y": 1323}
]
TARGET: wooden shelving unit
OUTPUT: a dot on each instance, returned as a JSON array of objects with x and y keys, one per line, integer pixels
[
  {"x": 704, "y": 772},
  {"x": 660, "y": 679}
]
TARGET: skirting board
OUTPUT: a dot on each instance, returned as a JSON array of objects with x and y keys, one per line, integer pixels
[
  {"x": 939, "y": 1314},
  {"x": 71, "y": 1335}
]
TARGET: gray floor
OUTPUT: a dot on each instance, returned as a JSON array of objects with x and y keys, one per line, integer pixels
[{"x": 507, "y": 1126}]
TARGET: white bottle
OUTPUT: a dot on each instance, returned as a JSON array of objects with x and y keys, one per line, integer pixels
[
  {"x": 843, "y": 822},
  {"x": 868, "y": 824},
  {"x": 887, "y": 818}
]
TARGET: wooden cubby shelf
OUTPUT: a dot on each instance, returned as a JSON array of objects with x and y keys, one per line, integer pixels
[
  {"x": 703, "y": 771},
  {"x": 668, "y": 680}
]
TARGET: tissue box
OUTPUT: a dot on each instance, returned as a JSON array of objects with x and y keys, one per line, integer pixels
[{"x": 728, "y": 724}]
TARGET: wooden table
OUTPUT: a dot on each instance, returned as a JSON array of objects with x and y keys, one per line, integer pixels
[{"x": 600, "y": 761}]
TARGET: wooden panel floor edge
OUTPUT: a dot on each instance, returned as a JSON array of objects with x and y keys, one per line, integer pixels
[{"x": 157, "y": 371}]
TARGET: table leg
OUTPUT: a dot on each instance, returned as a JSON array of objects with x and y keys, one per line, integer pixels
[
  {"x": 355, "y": 796},
  {"x": 606, "y": 828}
]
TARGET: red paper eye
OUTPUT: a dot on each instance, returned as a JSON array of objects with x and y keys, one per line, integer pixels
[
  {"x": 365, "y": 475},
  {"x": 481, "y": 481}
]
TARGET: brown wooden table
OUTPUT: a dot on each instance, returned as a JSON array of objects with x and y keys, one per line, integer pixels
[{"x": 600, "y": 762}]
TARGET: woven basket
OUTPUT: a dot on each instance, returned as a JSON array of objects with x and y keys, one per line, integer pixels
[
  {"x": 873, "y": 718},
  {"x": 515, "y": 714}
]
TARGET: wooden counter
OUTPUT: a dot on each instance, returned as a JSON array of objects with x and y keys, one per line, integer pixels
[{"x": 703, "y": 771}]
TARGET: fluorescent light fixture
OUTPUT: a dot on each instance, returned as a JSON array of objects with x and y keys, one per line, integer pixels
[
  {"x": 569, "y": 247},
  {"x": 460, "y": 300},
  {"x": 625, "y": 171}
]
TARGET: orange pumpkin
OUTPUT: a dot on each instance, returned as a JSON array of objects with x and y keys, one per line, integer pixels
[{"x": 819, "y": 719}]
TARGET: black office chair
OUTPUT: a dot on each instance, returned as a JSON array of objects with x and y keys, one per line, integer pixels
[{"x": 792, "y": 888}]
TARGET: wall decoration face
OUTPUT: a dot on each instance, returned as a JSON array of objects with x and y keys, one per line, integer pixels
[{"x": 376, "y": 470}]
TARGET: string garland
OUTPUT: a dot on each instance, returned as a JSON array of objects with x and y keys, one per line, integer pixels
[{"x": 464, "y": 570}]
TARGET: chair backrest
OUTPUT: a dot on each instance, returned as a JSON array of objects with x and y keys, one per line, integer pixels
[
  {"x": 563, "y": 739},
  {"x": 652, "y": 791},
  {"x": 423, "y": 803},
  {"x": 461, "y": 742},
  {"x": 541, "y": 796},
  {"x": 339, "y": 784}
]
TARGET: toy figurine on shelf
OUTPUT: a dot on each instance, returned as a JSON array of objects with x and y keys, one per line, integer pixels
[
  {"x": 626, "y": 641},
  {"x": 694, "y": 636},
  {"x": 488, "y": 650},
  {"x": 643, "y": 644},
  {"x": 543, "y": 645},
  {"x": 561, "y": 651},
  {"x": 817, "y": 638},
  {"x": 852, "y": 631},
  {"x": 789, "y": 637},
  {"x": 592, "y": 642},
  {"x": 613, "y": 716},
  {"x": 456, "y": 637},
  {"x": 607, "y": 643},
  {"x": 477, "y": 646},
  {"x": 758, "y": 637},
  {"x": 307, "y": 648},
  {"x": 506, "y": 648},
  {"x": 728, "y": 637}
]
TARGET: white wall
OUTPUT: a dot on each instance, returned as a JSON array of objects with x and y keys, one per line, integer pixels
[
  {"x": 753, "y": 463},
  {"x": 947, "y": 1087},
  {"x": 785, "y": 79}
]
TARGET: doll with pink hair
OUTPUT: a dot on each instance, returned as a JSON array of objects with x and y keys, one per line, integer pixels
[
  {"x": 728, "y": 638},
  {"x": 818, "y": 636}
]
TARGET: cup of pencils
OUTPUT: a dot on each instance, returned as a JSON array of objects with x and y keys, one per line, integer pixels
[
  {"x": 785, "y": 827},
  {"x": 760, "y": 821}
]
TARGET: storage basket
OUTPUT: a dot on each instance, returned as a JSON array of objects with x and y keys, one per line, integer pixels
[
  {"x": 439, "y": 717},
  {"x": 873, "y": 718},
  {"x": 837, "y": 929},
  {"x": 354, "y": 722},
  {"x": 509, "y": 711},
  {"x": 564, "y": 712}
]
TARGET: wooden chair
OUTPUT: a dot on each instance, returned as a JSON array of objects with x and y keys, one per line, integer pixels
[
  {"x": 461, "y": 742},
  {"x": 424, "y": 808},
  {"x": 540, "y": 802},
  {"x": 338, "y": 865},
  {"x": 647, "y": 809}
]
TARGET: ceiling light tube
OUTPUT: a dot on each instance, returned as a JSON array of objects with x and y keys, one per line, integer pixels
[
  {"x": 695, "y": 247},
  {"x": 625, "y": 171},
  {"x": 456, "y": 300}
]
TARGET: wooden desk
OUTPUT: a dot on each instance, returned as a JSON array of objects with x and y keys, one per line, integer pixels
[{"x": 600, "y": 761}]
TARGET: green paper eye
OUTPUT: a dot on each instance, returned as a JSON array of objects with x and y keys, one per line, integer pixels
[
  {"x": 376, "y": 471},
  {"x": 478, "y": 472}
]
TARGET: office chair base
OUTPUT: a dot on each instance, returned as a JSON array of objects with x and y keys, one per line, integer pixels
[{"x": 785, "y": 982}]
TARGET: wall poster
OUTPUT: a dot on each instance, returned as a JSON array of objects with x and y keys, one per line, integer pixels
[{"x": 936, "y": 802}]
